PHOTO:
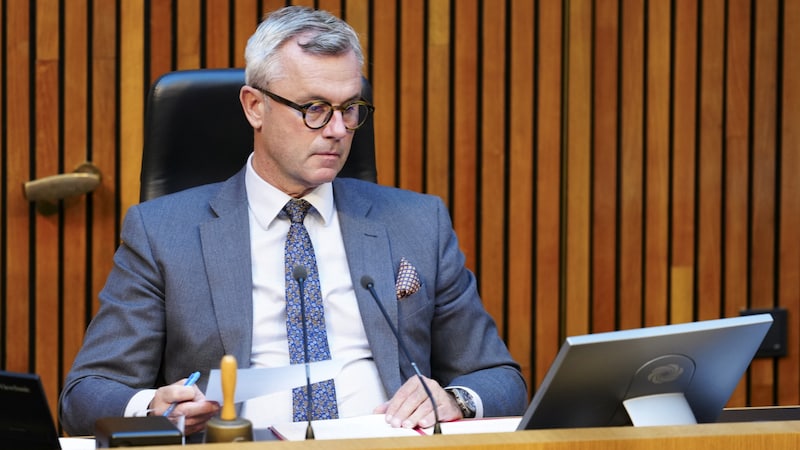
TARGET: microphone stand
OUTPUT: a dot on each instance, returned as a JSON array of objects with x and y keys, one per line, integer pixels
[
  {"x": 299, "y": 274},
  {"x": 369, "y": 285}
]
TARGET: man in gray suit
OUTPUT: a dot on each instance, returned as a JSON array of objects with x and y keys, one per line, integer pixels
[{"x": 201, "y": 273}]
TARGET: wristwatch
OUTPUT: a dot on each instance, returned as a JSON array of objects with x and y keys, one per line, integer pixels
[{"x": 464, "y": 401}]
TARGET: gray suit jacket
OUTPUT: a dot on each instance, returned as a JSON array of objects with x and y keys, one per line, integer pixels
[{"x": 179, "y": 297}]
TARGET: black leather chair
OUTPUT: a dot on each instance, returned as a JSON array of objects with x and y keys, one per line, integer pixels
[{"x": 196, "y": 133}]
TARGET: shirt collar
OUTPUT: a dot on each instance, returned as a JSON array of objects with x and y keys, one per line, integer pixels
[{"x": 266, "y": 201}]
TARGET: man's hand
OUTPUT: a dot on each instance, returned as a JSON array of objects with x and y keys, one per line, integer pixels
[
  {"x": 410, "y": 406},
  {"x": 191, "y": 403}
]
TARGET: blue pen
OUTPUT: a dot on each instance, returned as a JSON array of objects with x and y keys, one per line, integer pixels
[{"x": 189, "y": 382}]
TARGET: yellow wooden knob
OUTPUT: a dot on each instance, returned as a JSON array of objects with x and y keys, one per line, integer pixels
[{"x": 227, "y": 369}]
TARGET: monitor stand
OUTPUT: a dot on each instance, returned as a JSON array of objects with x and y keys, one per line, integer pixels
[{"x": 659, "y": 409}]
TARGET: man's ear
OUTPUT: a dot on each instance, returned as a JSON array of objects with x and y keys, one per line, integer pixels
[{"x": 253, "y": 105}]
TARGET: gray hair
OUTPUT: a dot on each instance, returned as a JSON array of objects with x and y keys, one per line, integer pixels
[{"x": 326, "y": 33}]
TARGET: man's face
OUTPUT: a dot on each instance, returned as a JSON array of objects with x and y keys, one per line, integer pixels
[{"x": 288, "y": 154}]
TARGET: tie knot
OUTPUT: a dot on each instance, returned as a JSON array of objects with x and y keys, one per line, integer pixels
[{"x": 296, "y": 209}]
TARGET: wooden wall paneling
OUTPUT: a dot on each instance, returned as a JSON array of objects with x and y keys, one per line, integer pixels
[
  {"x": 160, "y": 39},
  {"x": 465, "y": 125},
  {"x": 577, "y": 170},
  {"x": 384, "y": 85},
  {"x": 493, "y": 214},
  {"x": 438, "y": 101},
  {"x": 763, "y": 220},
  {"x": 217, "y": 34},
  {"x": 683, "y": 153},
  {"x": 657, "y": 101},
  {"x": 188, "y": 35},
  {"x": 605, "y": 146},
  {"x": 411, "y": 97},
  {"x": 17, "y": 256},
  {"x": 48, "y": 161},
  {"x": 632, "y": 148},
  {"x": 75, "y": 264},
  {"x": 710, "y": 161},
  {"x": 736, "y": 167},
  {"x": 679, "y": 194},
  {"x": 520, "y": 232},
  {"x": 132, "y": 91},
  {"x": 545, "y": 191},
  {"x": 789, "y": 227}
]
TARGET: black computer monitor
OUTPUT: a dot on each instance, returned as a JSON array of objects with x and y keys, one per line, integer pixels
[
  {"x": 663, "y": 375},
  {"x": 26, "y": 422}
]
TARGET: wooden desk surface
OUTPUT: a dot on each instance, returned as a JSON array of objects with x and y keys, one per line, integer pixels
[{"x": 719, "y": 436}]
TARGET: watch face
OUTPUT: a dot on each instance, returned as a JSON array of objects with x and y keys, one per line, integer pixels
[{"x": 465, "y": 402}]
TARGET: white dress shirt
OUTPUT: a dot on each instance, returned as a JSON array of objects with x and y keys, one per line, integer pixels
[{"x": 358, "y": 387}]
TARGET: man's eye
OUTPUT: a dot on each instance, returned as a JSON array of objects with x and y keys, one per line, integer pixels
[{"x": 317, "y": 108}]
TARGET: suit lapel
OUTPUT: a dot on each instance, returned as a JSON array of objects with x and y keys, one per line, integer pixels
[
  {"x": 369, "y": 254},
  {"x": 226, "y": 252}
]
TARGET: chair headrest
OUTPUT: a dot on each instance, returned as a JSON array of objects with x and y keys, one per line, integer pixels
[{"x": 196, "y": 133}]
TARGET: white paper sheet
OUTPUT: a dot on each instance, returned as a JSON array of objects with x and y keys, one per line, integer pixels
[{"x": 255, "y": 382}]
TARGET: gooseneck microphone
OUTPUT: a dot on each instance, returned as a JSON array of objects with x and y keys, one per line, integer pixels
[
  {"x": 368, "y": 284},
  {"x": 300, "y": 274}
]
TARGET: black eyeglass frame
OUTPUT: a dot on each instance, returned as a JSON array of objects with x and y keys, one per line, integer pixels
[{"x": 304, "y": 108}]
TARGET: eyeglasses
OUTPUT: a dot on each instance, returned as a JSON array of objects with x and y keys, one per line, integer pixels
[{"x": 318, "y": 113}]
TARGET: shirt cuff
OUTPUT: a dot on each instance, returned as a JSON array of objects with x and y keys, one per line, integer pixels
[{"x": 138, "y": 404}]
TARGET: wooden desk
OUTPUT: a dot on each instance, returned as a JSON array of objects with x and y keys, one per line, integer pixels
[{"x": 719, "y": 436}]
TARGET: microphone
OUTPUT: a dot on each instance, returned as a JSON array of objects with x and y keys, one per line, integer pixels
[
  {"x": 368, "y": 284},
  {"x": 300, "y": 274}
]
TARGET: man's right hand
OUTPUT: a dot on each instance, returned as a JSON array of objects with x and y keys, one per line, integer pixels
[{"x": 191, "y": 404}]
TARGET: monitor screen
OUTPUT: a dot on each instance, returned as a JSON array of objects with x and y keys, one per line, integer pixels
[
  {"x": 664, "y": 375},
  {"x": 25, "y": 419}
]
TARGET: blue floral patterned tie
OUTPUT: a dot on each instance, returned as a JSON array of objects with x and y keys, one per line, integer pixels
[{"x": 299, "y": 251}]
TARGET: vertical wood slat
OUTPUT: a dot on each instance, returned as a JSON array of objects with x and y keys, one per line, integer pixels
[
  {"x": 438, "y": 100},
  {"x": 543, "y": 168},
  {"x": 578, "y": 161},
  {"x": 75, "y": 149},
  {"x": 736, "y": 165},
  {"x": 656, "y": 163},
  {"x": 410, "y": 124},
  {"x": 676, "y": 200},
  {"x": 491, "y": 250},
  {"x": 47, "y": 162},
  {"x": 789, "y": 226},
  {"x": 631, "y": 227},
  {"x": 187, "y": 35},
  {"x": 683, "y": 150},
  {"x": 605, "y": 142},
  {"x": 18, "y": 236},
  {"x": 763, "y": 120},
  {"x": 465, "y": 123},
  {"x": 217, "y": 34},
  {"x": 131, "y": 91},
  {"x": 383, "y": 71},
  {"x": 519, "y": 280},
  {"x": 710, "y": 159},
  {"x": 105, "y": 127}
]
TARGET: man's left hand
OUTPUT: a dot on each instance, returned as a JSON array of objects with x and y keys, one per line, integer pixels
[{"x": 410, "y": 406}]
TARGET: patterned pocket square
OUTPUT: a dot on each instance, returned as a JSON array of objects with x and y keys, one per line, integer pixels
[{"x": 407, "y": 280}]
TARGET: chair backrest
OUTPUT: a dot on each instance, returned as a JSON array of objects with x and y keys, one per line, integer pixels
[{"x": 196, "y": 133}]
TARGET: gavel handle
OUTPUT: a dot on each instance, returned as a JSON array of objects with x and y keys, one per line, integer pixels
[{"x": 228, "y": 374}]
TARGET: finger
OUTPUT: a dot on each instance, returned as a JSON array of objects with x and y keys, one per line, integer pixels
[{"x": 410, "y": 398}]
